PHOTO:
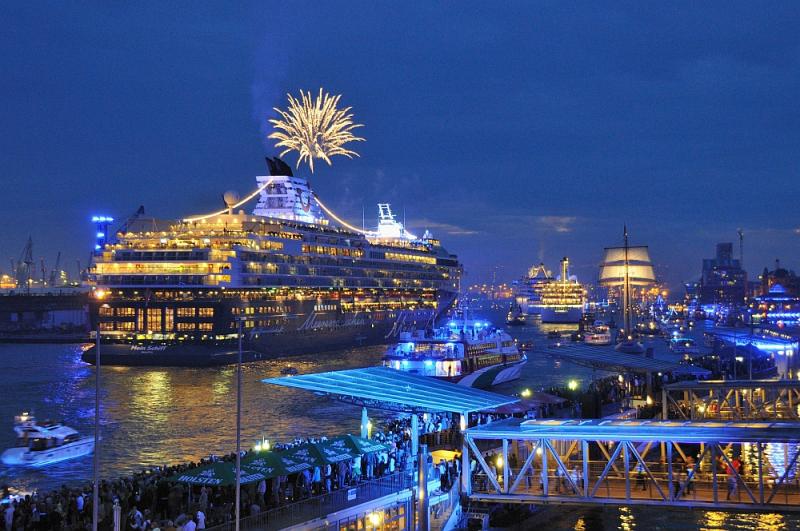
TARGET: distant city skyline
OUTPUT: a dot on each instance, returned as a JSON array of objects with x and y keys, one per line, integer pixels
[{"x": 516, "y": 135}]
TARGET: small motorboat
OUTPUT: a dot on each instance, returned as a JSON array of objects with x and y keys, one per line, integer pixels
[
  {"x": 289, "y": 371},
  {"x": 515, "y": 316},
  {"x": 630, "y": 346},
  {"x": 598, "y": 335},
  {"x": 45, "y": 443}
]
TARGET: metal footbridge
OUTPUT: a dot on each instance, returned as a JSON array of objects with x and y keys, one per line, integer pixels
[{"x": 714, "y": 465}]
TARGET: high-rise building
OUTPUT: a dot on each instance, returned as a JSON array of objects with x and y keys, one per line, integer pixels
[{"x": 723, "y": 280}]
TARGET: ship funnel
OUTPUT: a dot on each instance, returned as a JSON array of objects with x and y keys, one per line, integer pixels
[{"x": 565, "y": 269}]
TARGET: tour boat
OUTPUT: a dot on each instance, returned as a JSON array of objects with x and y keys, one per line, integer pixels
[
  {"x": 469, "y": 352},
  {"x": 45, "y": 443},
  {"x": 598, "y": 335}
]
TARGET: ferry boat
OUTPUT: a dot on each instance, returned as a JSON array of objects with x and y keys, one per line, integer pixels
[
  {"x": 563, "y": 300},
  {"x": 44, "y": 444},
  {"x": 598, "y": 335},
  {"x": 465, "y": 351},
  {"x": 292, "y": 274}
]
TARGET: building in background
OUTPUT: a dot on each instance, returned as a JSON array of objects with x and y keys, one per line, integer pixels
[
  {"x": 723, "y": 281},
  {"x": 785, "y": 280}
]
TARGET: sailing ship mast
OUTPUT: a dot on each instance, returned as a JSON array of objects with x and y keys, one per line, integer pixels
[{"x": 626, "y": 289}]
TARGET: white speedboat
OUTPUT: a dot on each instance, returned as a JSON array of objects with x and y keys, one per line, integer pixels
[{"x": 45, "y": 443}]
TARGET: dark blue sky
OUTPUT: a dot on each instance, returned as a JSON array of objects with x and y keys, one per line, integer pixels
[{"x": 515, "y": 131}]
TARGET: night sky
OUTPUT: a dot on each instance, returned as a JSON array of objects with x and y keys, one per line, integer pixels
[{"x": 514, "y": 131}]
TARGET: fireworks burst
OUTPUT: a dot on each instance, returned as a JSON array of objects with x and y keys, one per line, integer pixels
[{"x": 315, "y": 128}]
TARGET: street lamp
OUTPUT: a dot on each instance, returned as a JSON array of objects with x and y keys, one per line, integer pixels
[
  {"x": 96, "y": 465},
  {"x": 239, "y": 427}
]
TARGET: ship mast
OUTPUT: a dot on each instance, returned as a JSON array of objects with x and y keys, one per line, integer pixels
[{"x": 626, "y": 288}]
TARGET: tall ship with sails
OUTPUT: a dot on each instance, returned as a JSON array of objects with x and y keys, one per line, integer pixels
[
  {"x": 292, "y": 276},
  {"x": 625, "y": 269}
]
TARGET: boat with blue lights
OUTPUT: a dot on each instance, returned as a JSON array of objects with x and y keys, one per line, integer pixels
[
  {"x": 292, "y": 275},
  {"x": 466, "y": 351}
]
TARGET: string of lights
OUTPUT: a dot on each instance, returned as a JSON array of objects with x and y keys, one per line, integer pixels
[
  {"x": 338, "y": 219},
  {"x": 237, "y": 205}
]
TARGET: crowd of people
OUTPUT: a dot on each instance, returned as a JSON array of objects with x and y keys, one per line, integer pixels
[{"x": 149, "y": 500}]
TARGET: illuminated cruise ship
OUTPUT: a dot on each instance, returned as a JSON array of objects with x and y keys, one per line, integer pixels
[
  {"x": 562, "y": 300},
  {"x": 295, "y": 277}
]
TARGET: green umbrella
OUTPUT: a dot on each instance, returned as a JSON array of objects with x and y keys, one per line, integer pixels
[
  {"x": 336, "y": 450},
  {"x": 302, "y": 457},
  {"x": 221, "y": 473},
  {"x": 358, "y": 445},
  {"x": 269, "y": 464}
]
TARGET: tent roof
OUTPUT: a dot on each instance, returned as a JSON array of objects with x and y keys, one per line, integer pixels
[
  {"x": 638, "y": 430},
  {"x": 609, "y": 359},
  {"x": 385, "y": 388}
]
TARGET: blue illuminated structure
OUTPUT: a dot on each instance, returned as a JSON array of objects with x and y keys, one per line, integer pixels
[
  {"x": 635, "y": 462},
  {"x": 101, "y": 225},
  {"x": 385, "y": 388}
]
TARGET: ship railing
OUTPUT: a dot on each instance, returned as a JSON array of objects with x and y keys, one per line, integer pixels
[{"x": 323, "y": 505}]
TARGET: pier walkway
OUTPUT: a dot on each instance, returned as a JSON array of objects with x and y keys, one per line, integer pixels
[
  {"x": 752, "y": 466},
  {"x": 732, "y": 400},
  {"x": 605, "y": 358}
]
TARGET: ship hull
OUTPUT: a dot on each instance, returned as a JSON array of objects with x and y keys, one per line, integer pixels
[
  {"x": 569, "y": 315},
  {"x": 256, "y": 346}
]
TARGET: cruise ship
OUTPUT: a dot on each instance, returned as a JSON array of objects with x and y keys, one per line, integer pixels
[
  {"x": 562, "y": 300},
  {"x": 528, "y": 290},
  {"x": 292, "y": 275}
]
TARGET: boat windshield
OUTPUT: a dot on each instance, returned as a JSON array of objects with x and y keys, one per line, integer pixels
[{"x": 40, "y": 443}]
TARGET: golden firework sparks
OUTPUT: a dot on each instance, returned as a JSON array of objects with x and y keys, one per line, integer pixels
[{"x": 315, "y": 128}]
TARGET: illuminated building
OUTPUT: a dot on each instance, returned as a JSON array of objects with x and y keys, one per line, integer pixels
[
  {"x": 788, "y": 281},
  {"x": 723, "y": 281},
  {"x": 778, "y": 307},
  {"x": 174, "y": 291}
]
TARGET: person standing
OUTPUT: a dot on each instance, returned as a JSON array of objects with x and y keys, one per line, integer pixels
[{"x": 9, "y": 516}]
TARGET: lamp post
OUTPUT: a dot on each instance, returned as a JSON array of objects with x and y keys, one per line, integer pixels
[
  {"x": 238, "y": 427},
  {"x": 96, "y": 463}
]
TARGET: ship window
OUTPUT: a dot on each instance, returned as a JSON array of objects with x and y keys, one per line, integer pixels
[
  {"x": 168, "y": 319},
  {"x": 205, "y": 326},
  {"x": 186, "y": 312},
  {"x": 106, "y": 311},
  {"x": 125, "y": 325},
  {"x": 106, "y": 326},
  {"x": 183, "y": 327},
  {"x": 154, "y": 319},
  {"x": 126, "y": 312},
  {"x": 205, "y": 312}
]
